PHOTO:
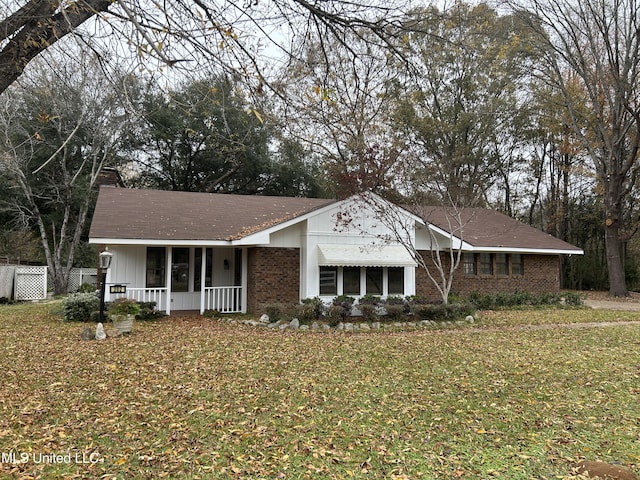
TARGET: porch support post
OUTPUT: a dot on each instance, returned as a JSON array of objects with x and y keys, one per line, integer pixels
[
  {"x": 203, "y": 276},
  {"x": 245, "y": 282},
  {"x": 168, "y": 279}
]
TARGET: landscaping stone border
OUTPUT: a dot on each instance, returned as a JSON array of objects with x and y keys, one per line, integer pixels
[{"x": 318, "y": 326}]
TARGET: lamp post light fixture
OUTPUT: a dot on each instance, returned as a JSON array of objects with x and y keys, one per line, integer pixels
[{"x": 105, "y": 263}]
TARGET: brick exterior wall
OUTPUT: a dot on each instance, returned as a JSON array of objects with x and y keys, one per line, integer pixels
[
  {"x": 541, "y": 274},
  {"x": 273, "y": 276}
]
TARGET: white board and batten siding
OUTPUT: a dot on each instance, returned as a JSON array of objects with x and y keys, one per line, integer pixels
[{"x": 365, "y": 234}]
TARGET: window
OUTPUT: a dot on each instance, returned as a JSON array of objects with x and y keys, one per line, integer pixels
[
  {"x": 155, "y": 275},
  {"x": 469, "y": 263},
  {"x": 180, "y": 270},
  {"x": 351, "y": 280},
  {"x": 377, "y": 280},
  {"x": 502, "y": 267},
  {"x": 197, "y": 268},
  {"x": 374, "y": 280},
  {"x": 395, "y": 280},
  {"x": 486, "y": 264},
  {"x": 328, "y": 280},
  {"x": 516, "y": 264}
]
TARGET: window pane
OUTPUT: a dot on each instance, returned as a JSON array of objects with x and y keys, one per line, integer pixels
[
  {"x": 469, "y": 260},
  {"x": 351, "y": 280},
  {"x": 486, "y": 266},
  {"x": 395, "y": 277},
  {"x": 516, "y": 264},
  {"x": 328, "y": 281},
  {"x": 180, "y": 270},
  {"x": 155, "y": 276},
  {"x": 501, "y": 264},
  {"x": 374, "y": 281}
]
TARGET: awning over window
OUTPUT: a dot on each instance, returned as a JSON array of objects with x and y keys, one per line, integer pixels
[{"x": 364, "y": 256}]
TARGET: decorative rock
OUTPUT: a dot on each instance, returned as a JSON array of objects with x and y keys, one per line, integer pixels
[
  {"x": 348, "y": 326},
  {"x": 283, "y": 326},
  {"x": 273, "y": 325},
  {"x": 376, "y": 325},
  {"x": 469, "y": 319},
  {"x": 325, "y": 326},
  {"x": 264, "y": 318},
  {"x": 294, "y": 324},
  {"x": 315, "y": 326},
  {"x": 364, "y": 326},
  {"x": 304, "y": 327},
  {"x": 605, "y": 470},
  {"x": 112, "y": 332},
  {"x": 340, "y": 326},
  {"x": 88, "y": 334},
  {"x": 100, "y": 335}
]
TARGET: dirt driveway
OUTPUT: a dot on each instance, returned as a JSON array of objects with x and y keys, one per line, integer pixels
[{"x": 601, "y": 301}]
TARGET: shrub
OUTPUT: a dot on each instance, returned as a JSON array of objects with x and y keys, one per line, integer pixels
[
  {"x": 369, "y": 311},
  {"x": 395, "y": 300},
  {"x": 442, "y": 312},
  {"x": 346, "y": 303},
  {"x": 418, "y": 300},
  {"x": 278, "y": 311},
  {"x": 211, "y": 313},
  {"x": 148, "y": 311},
  {"x": 487, "y": 301},
  {"x": 77, "y": 307},
  {"x": 335, "y": 314},
  {"x": 87, "y": 288},
  {"x": 310, "y": 310},
  {"x": 395, "y": 312},
  {"x": 396, "y": 307},
  {"x": 428, "y": 311},
  {"x": 369, "y": 300},
  {"x": 123, "y": 306},
  {"x": 573, "y": 299}
]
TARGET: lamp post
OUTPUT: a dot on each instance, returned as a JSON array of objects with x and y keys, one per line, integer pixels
[{"x": 105, "y": 263}]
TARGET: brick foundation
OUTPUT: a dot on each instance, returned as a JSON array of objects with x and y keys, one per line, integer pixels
[
  {"x": 273, "y": 277},
  {"x": 541, "y": 274}
]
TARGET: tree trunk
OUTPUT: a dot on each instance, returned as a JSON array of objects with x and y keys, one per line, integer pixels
[
  {"x": 617, "y": 282},
  {"x": 613, "y": 245}
]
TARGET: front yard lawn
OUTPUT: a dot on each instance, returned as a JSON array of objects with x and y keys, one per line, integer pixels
[{"x": 197, "y": 398}]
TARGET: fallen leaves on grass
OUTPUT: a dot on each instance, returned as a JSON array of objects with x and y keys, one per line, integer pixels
[{"x": 196, "y": 398}]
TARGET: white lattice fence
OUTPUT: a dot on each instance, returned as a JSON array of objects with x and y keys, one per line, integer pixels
[
  {"x": 78, "y": 276},
  {"x": 31, "y": 283}
]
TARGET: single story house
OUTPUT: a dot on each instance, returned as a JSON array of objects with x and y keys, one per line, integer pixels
[{"x": 236, "y": 253}]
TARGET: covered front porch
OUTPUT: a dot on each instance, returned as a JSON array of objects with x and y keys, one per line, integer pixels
[{"x": 179, "y": 278}]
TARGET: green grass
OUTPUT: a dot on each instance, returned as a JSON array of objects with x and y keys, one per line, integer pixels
[{"x": 196, "y": 398}]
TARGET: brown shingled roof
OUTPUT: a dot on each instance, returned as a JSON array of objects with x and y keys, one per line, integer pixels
[
  {"x": 487, "y": 228},
  {"x": 167, "y": 215}
]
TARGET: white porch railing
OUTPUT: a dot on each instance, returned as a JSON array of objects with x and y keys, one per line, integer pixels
[
  {"x": 223, "y": 299},
  {"x": 157, "y": 295}
]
